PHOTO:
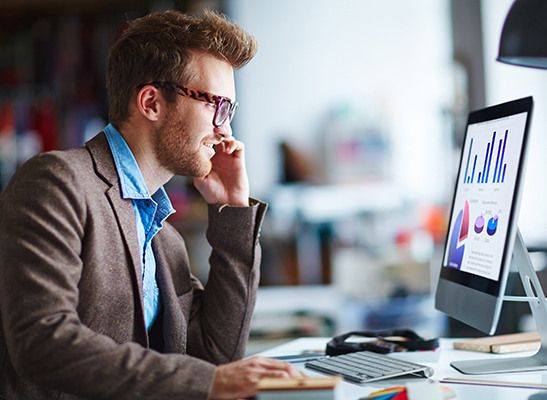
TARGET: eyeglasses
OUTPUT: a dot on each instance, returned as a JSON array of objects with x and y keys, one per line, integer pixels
[{"x": 224, "y": 108}]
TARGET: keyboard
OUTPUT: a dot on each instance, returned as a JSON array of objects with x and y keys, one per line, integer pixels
[{"x": 366, "y": 366}]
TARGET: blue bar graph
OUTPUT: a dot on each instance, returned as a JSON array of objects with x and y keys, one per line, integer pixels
[
  {"x": 484, "y": 171},
  {"x": 474, "y": 164},
  {"x": 502, "y": 154},
  {"x": 490, "y": 157},
  {"x": 498, "y": 175},
  {"x": 497, "y": 162},
  {"x": 466, "y": 177}
]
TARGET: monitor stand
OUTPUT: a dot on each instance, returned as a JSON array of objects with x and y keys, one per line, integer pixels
[{"x": 538, "y": 305}]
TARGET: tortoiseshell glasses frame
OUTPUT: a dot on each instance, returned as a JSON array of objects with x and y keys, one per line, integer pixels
[{"x": 224, "y": 107}]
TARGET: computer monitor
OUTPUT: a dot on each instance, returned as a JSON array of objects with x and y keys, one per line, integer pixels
[{"x": 483, "y": 237}]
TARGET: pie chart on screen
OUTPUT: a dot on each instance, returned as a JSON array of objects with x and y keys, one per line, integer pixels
[
  {"x": 479, "y": 224},
  {"x": 492, "y": 225}
]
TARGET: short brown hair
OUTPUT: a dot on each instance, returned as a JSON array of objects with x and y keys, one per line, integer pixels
[{"x": 158, "y": 47}]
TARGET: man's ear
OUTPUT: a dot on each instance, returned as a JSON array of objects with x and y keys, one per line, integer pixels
[{"x": 150, "y": 102}]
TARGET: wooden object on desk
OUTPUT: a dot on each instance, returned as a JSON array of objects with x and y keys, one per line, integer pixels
[
  {"x": 298, "y": 389},
  {"x": 501, "y": 344}
]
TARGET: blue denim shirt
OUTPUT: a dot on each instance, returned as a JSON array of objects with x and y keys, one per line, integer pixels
[{"x": 150, "y": 212}]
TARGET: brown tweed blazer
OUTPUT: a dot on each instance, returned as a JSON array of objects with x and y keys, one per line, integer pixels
[{"x": 72, "y": 324}]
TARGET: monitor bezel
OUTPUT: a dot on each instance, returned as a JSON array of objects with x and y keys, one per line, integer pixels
[{"x": 477, "y": 289}]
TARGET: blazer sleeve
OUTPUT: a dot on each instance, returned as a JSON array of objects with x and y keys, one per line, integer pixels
[
  {"x": 221, "y": 313},
  {"x": 43, "y": 221}
]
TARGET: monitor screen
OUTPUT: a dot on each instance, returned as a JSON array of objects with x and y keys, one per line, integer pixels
[{"x": 483, "y": 219}]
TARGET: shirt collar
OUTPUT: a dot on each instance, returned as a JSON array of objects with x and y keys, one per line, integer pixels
[{"x": 131, "y": 179}]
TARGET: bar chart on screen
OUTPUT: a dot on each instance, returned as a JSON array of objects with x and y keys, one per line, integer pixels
[{"x": 486, "y": 164}]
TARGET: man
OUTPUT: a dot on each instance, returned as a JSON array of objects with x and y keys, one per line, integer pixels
[{"x": 96, "y": 296}]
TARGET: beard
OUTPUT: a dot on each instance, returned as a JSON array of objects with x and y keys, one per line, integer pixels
[{"x": 178, "y": 148}]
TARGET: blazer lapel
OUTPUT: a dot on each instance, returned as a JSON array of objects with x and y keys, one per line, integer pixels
[
  {"x": 123, "y": 208},
  {"x": 126, "y": 221},
  {"x": 174, "y": 321}
]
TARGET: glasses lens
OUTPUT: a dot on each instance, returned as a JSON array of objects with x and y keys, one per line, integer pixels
[
  {"x": 233, "y": 111},
  {"x": 224, "y": 111}
]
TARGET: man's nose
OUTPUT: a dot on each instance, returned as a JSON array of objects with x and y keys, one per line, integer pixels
[{"x": 225, "y": 130}]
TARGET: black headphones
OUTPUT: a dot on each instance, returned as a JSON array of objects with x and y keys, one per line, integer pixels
[{"x": 338, "y": 345}]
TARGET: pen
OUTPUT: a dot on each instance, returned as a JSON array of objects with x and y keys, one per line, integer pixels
[
  {"x": 300, "y": 357},
  {"x": 526, "y": 385}
]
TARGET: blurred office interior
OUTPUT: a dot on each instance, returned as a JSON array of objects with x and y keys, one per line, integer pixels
[{"x": 353, "y": 115}]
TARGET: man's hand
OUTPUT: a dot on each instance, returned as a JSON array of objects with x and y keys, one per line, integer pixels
[
  {"x": 227, "y": 183},
  {"x": 240, "y": 378}
]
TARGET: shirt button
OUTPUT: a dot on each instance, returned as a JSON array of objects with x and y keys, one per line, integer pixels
[{"x": 148, "y": 203}]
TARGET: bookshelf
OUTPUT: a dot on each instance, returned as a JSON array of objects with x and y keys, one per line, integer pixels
[{"x": 52, "y": 70}]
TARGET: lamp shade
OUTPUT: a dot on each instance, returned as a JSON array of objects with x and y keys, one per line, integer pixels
[{"x": 524, "y": 35}]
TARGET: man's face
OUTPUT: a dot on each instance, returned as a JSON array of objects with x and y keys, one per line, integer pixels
[{"x": 184, "y": 141}]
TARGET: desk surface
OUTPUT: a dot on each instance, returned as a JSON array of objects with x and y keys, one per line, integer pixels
[{"x": 439, "y": 360}]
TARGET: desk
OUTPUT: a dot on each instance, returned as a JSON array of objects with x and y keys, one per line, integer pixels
[{"x": 439, "y": 360}]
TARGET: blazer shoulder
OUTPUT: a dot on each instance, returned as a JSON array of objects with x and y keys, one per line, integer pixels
[
  {"x": 95, "y": 158},
  {"x": 61, "y": 163}
]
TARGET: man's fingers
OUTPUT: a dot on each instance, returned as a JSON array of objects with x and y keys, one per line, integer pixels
[
  {"x": 277, "y": 373},
  {"x": 272, "y": 363},
  {"x": 232, "y": 145},
  {"x": 295, "y": 373},
  {"x": 282, "y": 366}
]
